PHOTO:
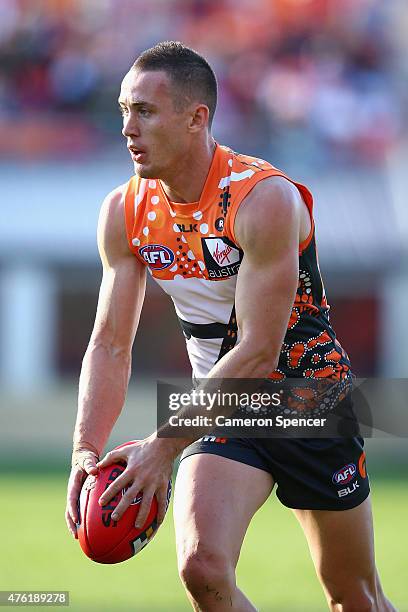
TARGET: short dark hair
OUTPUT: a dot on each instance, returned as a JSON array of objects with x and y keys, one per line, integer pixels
[{"x": 189, "y": 72}]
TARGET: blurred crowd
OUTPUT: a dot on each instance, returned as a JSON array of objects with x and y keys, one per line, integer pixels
[{"x": 314, "y": 78}]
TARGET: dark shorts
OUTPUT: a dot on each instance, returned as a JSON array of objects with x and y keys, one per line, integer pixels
[{"x": 311, "y": 474}]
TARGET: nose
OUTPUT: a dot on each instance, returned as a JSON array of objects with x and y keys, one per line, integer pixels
[{"x": 130, "y": 126}]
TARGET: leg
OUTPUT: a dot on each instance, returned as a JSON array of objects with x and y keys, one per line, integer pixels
[
  {"x": 214, "y": 501},
  {"x": 342, "y": 547}
]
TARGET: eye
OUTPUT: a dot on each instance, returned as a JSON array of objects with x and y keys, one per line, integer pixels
[
  {"x": 123, "y": 110},
  {"x": 144, "y": 112}
]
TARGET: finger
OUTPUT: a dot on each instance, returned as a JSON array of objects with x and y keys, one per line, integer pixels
[
  {"x": 121, "y": 482},
  {"x": 76, "y": 479},
  {"x": 144, "y": 508},
  {"x": 90, "y": 465},
  {"x": 125, "y": 502},
  {"x": 111, "y": 457},
  {"x": 72, "y": 507},
  {"x": 85, "y": 460},
  {"x": 71, "y": 525}
]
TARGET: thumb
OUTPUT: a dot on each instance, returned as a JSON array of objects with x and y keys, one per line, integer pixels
[
  {"x": 86, "y": 460},
  {"x": 90, "y": 465}
]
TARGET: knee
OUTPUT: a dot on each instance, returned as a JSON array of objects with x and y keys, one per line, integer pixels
[
  {"x": 205, "y": 571},
  {"x": 354, "y": 600},
  {"x": 348, "y": 593}
]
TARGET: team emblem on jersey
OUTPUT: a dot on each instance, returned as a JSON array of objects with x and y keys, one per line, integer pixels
[
  {"x": 221, "y": 256},
  {"x": 219, "y": 224},
  {"x": 157, "y": 256}
]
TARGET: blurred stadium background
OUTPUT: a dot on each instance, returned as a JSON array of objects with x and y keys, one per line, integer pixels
[{"x": 317, "y": 87}]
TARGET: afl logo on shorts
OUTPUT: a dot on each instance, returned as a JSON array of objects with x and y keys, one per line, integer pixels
[
  {"x": 343, "y": 476},
  {"x": 157, "y": 256}
]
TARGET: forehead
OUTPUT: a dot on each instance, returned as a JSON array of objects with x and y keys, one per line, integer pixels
[{"x": 153, "y": 87}]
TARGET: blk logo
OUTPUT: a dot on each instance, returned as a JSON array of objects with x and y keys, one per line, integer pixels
[
  {"x": 192, "y": 227},
  {"x": 348, "y": 490}
]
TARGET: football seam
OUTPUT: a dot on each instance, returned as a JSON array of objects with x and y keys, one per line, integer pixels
[{"x": 86, "y": 524}]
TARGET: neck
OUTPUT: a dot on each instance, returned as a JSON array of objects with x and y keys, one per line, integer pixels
[{"x": 187, "y": 182}]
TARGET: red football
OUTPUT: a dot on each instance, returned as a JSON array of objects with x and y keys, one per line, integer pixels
[{"x": 102, "y": 539}]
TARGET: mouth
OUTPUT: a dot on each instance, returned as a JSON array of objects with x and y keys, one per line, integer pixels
[{"x": 136, "y": 153}]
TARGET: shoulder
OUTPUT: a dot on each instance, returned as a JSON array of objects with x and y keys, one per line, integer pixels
[
  {"x": 269, "y": 213},
  {"x": 113, "y": 204},
  {"x": 112, "y": 239}
]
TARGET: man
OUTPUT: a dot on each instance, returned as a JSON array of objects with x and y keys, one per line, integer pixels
[{"x": 231, "y": 239}]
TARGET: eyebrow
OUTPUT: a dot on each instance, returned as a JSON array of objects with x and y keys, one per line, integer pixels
[{"x": 136, "y": 104}]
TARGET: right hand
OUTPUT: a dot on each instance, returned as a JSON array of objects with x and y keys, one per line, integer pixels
[{"x": 83, "y": 463}]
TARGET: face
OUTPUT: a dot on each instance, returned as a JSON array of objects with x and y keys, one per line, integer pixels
[{"x": 157, "y": 136}]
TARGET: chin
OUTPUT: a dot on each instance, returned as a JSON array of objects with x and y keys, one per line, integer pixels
[{"x": 145, "y": 172}]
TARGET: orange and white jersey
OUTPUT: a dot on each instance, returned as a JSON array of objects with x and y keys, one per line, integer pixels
[{"x": 191, "y": 252}]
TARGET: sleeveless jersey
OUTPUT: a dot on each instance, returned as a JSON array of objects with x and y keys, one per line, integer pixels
[{"x": 191, "y": 252}]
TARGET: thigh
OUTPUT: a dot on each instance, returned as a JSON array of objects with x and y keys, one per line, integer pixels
[
  {"x": 215, "y": 498},
  {"x": 341, "y": 544}
]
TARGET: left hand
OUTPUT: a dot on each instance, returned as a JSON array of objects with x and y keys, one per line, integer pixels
[{"x": 149, "y": 465}]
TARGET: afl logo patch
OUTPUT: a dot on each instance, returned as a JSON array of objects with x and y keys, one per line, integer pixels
[
  {"x": 344, "y": 475},
  {"x": 157, "y": 256}
]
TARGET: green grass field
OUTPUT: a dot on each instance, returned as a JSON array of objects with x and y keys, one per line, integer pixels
[{"x": 274, "y": 570}]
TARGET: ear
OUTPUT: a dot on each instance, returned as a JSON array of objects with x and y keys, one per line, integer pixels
[{"x": 199, "y": 118}]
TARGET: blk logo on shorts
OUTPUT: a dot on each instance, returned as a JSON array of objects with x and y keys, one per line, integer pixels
[{"x": 348, "y": 490}]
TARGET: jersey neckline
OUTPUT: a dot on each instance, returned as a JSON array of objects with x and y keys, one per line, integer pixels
[{"x": 188, "y": 209}]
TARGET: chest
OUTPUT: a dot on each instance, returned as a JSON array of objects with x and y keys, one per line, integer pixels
[{"x": 182, "y": 247}]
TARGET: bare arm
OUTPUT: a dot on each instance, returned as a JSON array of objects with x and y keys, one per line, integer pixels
[
  {"x": 269, "y": 225},
  {"x": 106, "y": 365}
]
